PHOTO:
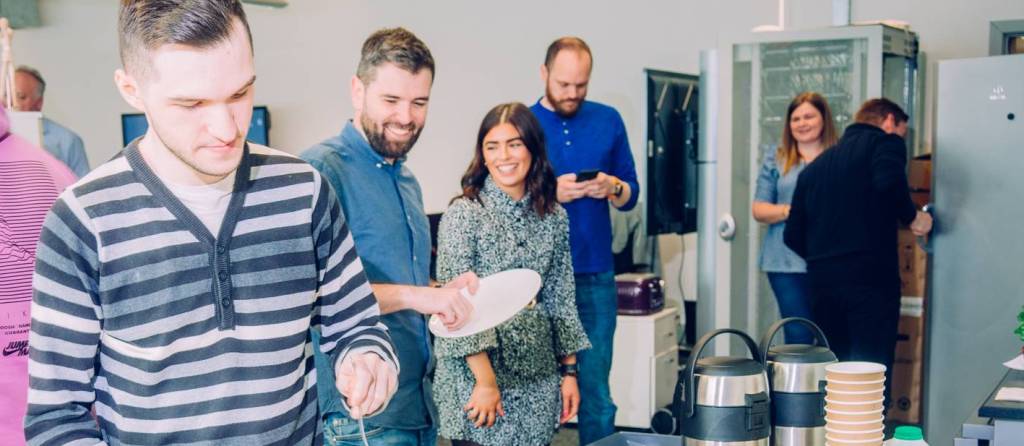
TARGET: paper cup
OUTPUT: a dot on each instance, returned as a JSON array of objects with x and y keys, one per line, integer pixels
[
  {"x": 852, "y": 396},
  {"x": 843, "y": 416},
  {"x": 854, "y": 443},
  {"x": 855, "y": 426},
  {"x": 856, "y": 386},
  {"x": 873, "y": 442},
  {"x": 852, "y": 406},
  {"x": 855, "y": 371},
  {"x": 840, "y": 435}
]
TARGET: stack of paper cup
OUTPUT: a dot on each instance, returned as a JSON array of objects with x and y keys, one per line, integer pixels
[{"x": 853, "y": 404}]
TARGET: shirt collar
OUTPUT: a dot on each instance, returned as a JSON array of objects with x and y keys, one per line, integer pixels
[
  {"x": 553, "y": 115},
  {"x": 360, "y": 147},
  {"x": 499, "y": 200}
]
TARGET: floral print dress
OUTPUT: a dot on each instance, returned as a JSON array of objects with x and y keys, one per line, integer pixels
[{"x": 488, "y": 237}]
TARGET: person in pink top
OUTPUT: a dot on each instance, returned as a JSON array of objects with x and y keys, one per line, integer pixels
[{"x": 30, "y": 180}]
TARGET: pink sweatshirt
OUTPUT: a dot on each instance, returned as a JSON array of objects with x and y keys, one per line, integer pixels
[{"x": 30, "y": 180}]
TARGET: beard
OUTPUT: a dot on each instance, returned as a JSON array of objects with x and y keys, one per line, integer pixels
[
  {"x": 195, "y": 164},
  {"x": 380, "y": 143},
  {"x": 565, "y": 108}
]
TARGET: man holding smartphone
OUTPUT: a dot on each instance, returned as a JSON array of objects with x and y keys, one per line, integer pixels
[{"x": 589, "y": 150}]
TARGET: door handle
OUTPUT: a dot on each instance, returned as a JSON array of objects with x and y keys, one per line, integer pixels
[{"x": 727, "y": 227}]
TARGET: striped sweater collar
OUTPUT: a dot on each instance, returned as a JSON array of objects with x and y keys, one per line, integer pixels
[{"x": 156, "y": 186}]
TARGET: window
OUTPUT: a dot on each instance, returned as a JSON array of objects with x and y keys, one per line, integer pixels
[
  {"x": 1006, "y": 37},
  {"x": 1015, "y": 44}
]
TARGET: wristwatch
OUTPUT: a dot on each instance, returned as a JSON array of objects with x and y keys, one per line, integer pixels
[
  {"x": 568, "y": 369},
  {"x": 617, "y": 192}
]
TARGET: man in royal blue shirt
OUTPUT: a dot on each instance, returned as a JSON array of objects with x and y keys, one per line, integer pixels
[
  {"x": 383, "y": 206},
  {"x": 584, "y": 137}
]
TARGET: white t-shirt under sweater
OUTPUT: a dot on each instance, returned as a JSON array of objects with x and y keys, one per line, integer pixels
[{"x": 209, "y": 202}]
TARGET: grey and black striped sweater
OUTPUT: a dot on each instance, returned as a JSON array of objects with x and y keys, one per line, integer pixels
[{"x": 175, "y": 336}]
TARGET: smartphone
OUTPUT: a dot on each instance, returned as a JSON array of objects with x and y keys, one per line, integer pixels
[{"x": 586, "y": 175}]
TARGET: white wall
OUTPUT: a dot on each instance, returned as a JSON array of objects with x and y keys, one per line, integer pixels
[{"x": 487, "y": 52}]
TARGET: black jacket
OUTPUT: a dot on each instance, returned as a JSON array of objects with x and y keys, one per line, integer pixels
[{"x": 849, "y": 201}]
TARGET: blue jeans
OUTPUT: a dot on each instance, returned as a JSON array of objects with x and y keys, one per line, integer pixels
[
  {"x": 793, "y": 293},
  {"x": 597, "y": 303},
  {"x": 340, "y": 430}
]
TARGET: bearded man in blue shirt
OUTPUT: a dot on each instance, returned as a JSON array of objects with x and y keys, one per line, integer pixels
[
  {"x": 383, "y": 205},
  {"x": 588, "y": 139}
]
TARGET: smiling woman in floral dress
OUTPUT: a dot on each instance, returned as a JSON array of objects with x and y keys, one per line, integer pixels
[{"x": 514, "y": 384}]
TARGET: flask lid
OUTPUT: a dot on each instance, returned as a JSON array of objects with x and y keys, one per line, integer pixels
[{"x": 908, "y": 433}]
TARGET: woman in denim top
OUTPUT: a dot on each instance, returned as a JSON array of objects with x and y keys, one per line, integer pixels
[{"x": 808, "y": 132}]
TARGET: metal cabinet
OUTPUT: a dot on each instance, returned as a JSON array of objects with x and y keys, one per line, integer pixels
[{"x": 747, "y": 85}]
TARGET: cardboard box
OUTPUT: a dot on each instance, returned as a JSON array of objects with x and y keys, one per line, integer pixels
[
  {"x": 912, "y": 282},
  {"x": 919, "y": 173},
  {"x": 913, "y": 263},
  {"x": 906, "y": 392},
  {"x": 910, "y": 339},
  {"x": 920, "y": 198}
]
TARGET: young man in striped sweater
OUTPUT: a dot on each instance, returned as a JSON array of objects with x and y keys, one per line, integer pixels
[{"x": 176, "y": 285}]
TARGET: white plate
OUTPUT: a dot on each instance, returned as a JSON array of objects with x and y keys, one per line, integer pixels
[{"x": 499, "y": 298}]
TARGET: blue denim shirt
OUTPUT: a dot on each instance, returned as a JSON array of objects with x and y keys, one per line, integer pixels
[
  {"x": 66, "y": 146},
  {"x": 593, "y": 138},
  {"x": 383, "y": 205},
  {"x": 776, "y": 188}
]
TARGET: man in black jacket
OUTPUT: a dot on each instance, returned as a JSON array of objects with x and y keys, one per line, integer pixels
[{"x": 844, "y": 220}]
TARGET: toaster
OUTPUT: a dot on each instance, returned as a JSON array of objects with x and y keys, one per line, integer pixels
[{"x": 640, "y": 293}]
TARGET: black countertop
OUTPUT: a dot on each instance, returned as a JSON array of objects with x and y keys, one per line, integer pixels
[{"x": 1007, "y": 410}]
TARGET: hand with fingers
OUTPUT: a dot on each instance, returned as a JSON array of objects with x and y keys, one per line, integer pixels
[
  {"x": 567, "y": 189},
  {"x": 451, "y": 306},
  {"x": 367, "y": 382},
  {"x": 570, "y": 398},
  {"x": 602, "y": 186},
  {"x": 484, "y": 406},
  {"x": 922, "y": 224}
]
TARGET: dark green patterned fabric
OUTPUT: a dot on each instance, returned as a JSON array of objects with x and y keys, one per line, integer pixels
[{"x": 489, "y": 237}]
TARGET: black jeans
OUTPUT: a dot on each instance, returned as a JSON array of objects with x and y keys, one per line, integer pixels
[{"x": 860, "y": 321}]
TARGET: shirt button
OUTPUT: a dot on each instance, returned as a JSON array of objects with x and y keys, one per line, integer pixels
[
  {"x": 566, "y": 131},
  {"x": 226, "y": 303},
  {"x": 414, "y": 258},
  {"x": 378, "y": 165},
  {"x": 568, "y": 143},
  {"x": 221, "y": 249},
  {"x": 565, "y": 123}
]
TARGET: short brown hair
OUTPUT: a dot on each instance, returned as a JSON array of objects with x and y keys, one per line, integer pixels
[
  {"x": 566, "y": 43},
  {"x": 398, "y": 46},
  {"x": 874, "y": 111},
  {"x": 145, "y": 25}
]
